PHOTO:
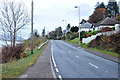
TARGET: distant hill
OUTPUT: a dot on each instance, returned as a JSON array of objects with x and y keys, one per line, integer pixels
[{"x": 2, "y": 37}]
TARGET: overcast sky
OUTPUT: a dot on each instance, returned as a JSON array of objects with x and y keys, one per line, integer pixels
[{"x": 50, "y": 13}]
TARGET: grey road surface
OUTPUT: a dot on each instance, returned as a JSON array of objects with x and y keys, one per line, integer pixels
[{"x": 73, "y": 62}]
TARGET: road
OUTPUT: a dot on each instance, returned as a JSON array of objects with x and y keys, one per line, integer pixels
[{"x": 72, "y": 62}]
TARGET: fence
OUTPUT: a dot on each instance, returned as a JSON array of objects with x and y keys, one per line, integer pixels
[{"x": 89, "y": 39}]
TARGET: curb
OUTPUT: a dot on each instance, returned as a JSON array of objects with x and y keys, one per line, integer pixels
[{"x": 42, "y": 45}]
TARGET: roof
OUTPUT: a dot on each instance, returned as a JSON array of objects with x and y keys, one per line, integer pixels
[
  {"x": 112, "y": 1},
  {"x": 83, "y": 21},
  {"x": 107, "y": 21},
  {"x": 86, "y": 25}
]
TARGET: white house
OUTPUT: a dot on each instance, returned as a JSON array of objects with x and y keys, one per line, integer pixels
[
  {"x": 119, "y": 6},
  {"x": 106, "y": 22},
  {"x": 86, "y": 27}
]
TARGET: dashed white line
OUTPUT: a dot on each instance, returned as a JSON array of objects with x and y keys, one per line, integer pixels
[
  {"x": 76, "y": 56},
  {"x": 59, "y": 76},
  {"x": 69, "y": 51},
  {"x": 23, "y": 76},
  {"x": 57, "y": 70},
  {"x": 93, "y": 65}
]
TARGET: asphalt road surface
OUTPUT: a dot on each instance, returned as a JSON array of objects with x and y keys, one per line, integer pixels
[{"x": 72, "y": 62}]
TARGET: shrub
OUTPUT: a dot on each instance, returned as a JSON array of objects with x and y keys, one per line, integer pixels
[
  {"x": 93, "y": 32},
  {"x": 89, "y": 35},
  {"x": 109, "y": 43},
  {"x": 10, "y": 53},
  {"x": 105, "y": 29}
]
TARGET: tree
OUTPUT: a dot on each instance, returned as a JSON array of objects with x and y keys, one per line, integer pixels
[
  {"x": 35, "y": 32},
  {"x": 97, "y": 16},
  {"x": 43, "y": 32},
  {"x": 112, "y": 9},
  {"x": 59, "y": 31},
  {"x": 68, "y": 27},
  {"x": 74, "y": 29},
  {"x": 98, "y": 5},
  {"x": 13, "y": 18}
]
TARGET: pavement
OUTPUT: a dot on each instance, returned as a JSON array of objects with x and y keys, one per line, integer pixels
[
  {"x": 74, "y": 62},
  {"x": 42, "y": 68}
]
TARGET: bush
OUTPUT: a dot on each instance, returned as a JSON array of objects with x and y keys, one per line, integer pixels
[
  {"x": 106, "y": 29},
  {"x": 109, "y": 43},
  {"x": 10, "y": 53},
  {"x": 93, "y": 32},
  {"x": 89, "y": 35}
]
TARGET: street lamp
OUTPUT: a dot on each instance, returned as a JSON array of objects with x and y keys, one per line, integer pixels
[
  {"x": 65, "y": 26},
  {"x": 79, "y": 22}
]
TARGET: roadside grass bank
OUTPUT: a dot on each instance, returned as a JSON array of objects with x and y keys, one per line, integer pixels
[
  {"x": 100, "y": 50},
  {"x": 16, "y": 68},
  {"x": 76, "y": 41}
]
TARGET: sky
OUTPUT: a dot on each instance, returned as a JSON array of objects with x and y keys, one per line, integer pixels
[{"x": 51, "y": 13}]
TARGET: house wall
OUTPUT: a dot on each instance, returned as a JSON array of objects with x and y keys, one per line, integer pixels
[
  {"x": 106, "y": 26},
  {"x": 86, "y": 29}
]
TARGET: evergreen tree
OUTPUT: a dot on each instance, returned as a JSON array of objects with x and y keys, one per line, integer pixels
[
  {"x": 112, "y": 9},
  {"x": 98, "y": 6},
  {"x": 68, "y": 26}
]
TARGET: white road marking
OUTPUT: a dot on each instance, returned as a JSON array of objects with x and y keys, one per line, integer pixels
[
  {"x": 53, "y": 57},
  {"x": 76, "y": 56},
  {"x": 69, "y": 51},
  {"x": 23, "y": 76},
  {"x": 57, "y": 70},
  {"x": 59, "y": 76},
  {"x": 93, "y": 65}
]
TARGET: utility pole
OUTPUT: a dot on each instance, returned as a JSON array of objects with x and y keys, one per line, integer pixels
[
  {"x": 79, "y": 22},
  {"x": 32, "y": 28}
]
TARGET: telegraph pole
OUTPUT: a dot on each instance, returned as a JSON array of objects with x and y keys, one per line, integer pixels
[{"x": 32, "y": 28}]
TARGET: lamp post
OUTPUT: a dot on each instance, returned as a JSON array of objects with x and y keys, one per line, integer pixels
[
  {"x": 79, "y": 22},
  {"x": 65, "y": 26}
]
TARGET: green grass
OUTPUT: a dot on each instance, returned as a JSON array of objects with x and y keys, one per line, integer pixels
[
  {"x": 14, "y": 69},
  {"x": 99, "y": 50},
  {"x": 74, "y": 41}
]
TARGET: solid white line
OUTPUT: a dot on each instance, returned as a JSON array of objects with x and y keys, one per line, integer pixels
[
  {"x": 76, "y": 56},
  {"x": 53, "y": 57},
  {"x": 57, "y": 70},
  {"x": 93, "y": 65}
]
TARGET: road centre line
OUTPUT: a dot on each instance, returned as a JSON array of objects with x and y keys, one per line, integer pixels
[{"x": 93, "y": 65}]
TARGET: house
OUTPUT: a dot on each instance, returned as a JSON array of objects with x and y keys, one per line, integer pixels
[
  {"x": 86, "y": 26},
  {"x": 106, "y": 22},
  {"x": 119, "y": 6}
]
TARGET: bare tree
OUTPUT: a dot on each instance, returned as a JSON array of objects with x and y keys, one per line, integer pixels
[{"x": 13, "y": 17}]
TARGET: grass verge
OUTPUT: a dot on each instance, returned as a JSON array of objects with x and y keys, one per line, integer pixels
[
  {"x": 14, "y": 69},
  {"x": 76, "y": 41},
  {"x": 101, "y": 51}
]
